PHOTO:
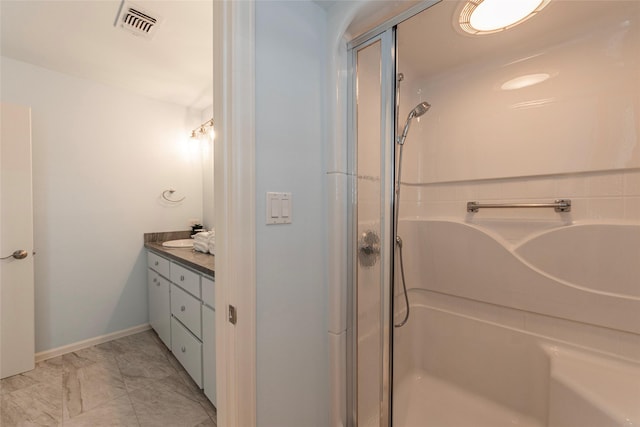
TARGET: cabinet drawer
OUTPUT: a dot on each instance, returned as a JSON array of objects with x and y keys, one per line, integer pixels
[
  {"x": 187, "y": 349},
  {"x": 187, "y": 309},
  {"x": 159, "y": 264},
  {"x": 208, "y": 292},
  {"x": 186, "y": 279}
]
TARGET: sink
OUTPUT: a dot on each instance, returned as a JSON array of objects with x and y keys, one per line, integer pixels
[{"x": 180, "y": 243}]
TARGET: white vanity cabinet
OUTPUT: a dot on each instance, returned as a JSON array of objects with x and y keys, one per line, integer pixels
[{"x": 182, "y": 312}]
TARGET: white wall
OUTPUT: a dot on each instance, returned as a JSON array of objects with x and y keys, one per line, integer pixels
[
  {"x": 584, "y": 117},
  {"x": 208, "y": 216},
  {"x": 101, "y": 159},
  {"x": 292, "y": 354}
]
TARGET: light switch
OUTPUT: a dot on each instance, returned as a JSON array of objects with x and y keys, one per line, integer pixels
[
  {"x": 287, "y": 208},
  {"x": 279, "y": 208},
  {"x": 275, "y": 208}
]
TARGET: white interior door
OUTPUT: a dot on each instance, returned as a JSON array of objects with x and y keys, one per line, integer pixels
[{"x": 17, "y": 336}]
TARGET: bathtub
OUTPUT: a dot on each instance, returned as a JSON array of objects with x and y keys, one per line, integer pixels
[
  {"x": 454, "y": 370},
  {"x": 470, "y": 354}
]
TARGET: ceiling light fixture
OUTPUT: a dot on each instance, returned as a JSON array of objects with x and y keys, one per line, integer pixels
[{"x": 492, "y": 16}]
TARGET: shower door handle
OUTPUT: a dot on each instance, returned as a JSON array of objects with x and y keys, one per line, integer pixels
[{"x": 368, "y": 248}]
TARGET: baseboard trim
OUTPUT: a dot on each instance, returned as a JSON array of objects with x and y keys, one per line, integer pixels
[{"x": 70, "y": 348}]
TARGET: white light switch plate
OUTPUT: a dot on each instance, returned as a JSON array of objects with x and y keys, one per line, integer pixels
[{"x": 279, "y": 208}]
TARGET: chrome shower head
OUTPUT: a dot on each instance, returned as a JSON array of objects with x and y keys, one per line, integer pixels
[{"x": 418, "y": 111}]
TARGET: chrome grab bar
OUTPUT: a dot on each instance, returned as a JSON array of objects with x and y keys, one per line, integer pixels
[{"x": 560, "y": 205}]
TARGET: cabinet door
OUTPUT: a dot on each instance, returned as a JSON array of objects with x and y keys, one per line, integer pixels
[
  {"x": 159, "y": 306},
  {"x": 208, "y": 291},
  {"x": 209, "y": 352}
]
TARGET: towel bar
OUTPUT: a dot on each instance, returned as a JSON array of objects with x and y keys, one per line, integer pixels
[{"x": 168, "y": 197}]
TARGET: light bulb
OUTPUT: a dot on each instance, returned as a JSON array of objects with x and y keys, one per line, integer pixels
[{"x": 491, "y": 16}]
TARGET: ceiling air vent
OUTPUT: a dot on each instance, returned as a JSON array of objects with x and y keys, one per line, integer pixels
[{"x": 137, "y": 20}]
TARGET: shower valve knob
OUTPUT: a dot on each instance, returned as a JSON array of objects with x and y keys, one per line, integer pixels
[{"x": 368, "y": 248}]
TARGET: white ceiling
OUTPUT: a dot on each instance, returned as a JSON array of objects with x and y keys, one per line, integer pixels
[
  {"x": 431, "y": 43},
  {"x": 79, "y": 38}
]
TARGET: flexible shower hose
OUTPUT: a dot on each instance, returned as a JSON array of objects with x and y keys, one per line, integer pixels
[{"x": 404, "y": 285}]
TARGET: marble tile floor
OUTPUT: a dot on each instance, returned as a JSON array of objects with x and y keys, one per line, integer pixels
[{"x": 132, "y": 381}]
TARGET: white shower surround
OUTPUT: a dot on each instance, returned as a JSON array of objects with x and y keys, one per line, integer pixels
[
  {"x": 595, "y": 281},
  {"x": 609, "y": 196},
  {"x": 505, "y": 371},
  {"x": 519, "y": 345}
]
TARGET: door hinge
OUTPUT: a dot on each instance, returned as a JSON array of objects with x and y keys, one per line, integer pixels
[{"x": 233, "y": 315}]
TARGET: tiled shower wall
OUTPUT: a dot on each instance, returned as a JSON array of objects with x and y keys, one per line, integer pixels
[{"x": 595, "y": 196}]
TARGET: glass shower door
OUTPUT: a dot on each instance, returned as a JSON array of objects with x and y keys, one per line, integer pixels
[{"x": 371, "y": 230}]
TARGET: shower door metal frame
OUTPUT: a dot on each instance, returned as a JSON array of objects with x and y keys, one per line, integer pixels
[{"x": 387, "y": 165}]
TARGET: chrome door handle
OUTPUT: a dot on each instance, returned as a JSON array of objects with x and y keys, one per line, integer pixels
[{"x": 19, "y": 254}]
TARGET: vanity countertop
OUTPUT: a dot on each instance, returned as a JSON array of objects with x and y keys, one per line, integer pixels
[{"x": 204, "y": 263}]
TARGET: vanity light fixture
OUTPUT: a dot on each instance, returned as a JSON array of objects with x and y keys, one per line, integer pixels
[
  {"x": 205, "y": 128},
  {"x": 491, "y": 16}
]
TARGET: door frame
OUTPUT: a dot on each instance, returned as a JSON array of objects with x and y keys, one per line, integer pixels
[
  {"x": 386, "y": 37},
  {"x": 235, "y": 210}
]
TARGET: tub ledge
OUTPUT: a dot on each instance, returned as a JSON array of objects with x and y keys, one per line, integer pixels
[{"x": 592, "y": 390}]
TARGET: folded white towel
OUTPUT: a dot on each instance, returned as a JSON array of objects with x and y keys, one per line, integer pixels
[
  {"x": 212, "y": 247},
  {"x": 202, "y": 236},
  {"x": 201, "y": 247}
]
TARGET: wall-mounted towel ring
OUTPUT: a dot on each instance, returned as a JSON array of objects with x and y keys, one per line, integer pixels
[{"x": 166, "y": 194}]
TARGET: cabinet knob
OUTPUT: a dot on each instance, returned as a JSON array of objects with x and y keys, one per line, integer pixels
[
  {"x": 156, "y": 263},
  {"x": 184, "y": 349},
  {"x": 155, "y": 280},
  {"x": 183, "y": 308},
  {"x": 182, "y": 278}
]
